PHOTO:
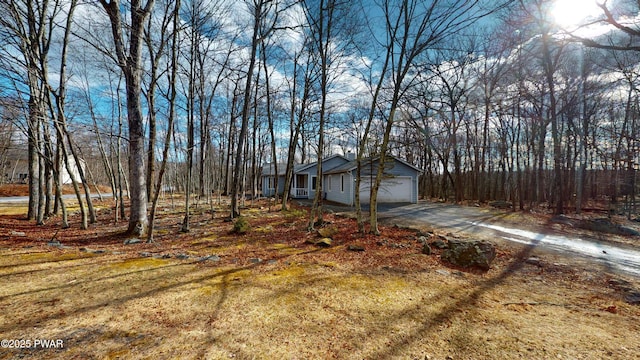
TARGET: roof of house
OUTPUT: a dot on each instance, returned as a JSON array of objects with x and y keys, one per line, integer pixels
[
  {"x": 352, "y": 165},
  {"x": 309, "y": 165},
  {"x": 268, "y": 170}
]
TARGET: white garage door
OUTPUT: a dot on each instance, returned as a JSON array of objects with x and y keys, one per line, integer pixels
[{"x": 397, "y": 189}]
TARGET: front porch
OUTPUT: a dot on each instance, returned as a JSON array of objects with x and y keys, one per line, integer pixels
[{"x": 303, "y": 188}]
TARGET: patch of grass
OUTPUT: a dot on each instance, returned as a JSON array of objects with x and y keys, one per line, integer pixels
[
  {"x": 294, "y": 213},
  {"x": 140, "y": 263},
  {"x": 13, "y": 209},
  {"x": 47, "y": 257},
  {"x": 264, "y": 229}
]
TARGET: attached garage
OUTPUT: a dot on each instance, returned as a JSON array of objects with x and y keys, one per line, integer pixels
[
  {"x": 399, "y": 182},
  {"x": 393, "y": 190}
]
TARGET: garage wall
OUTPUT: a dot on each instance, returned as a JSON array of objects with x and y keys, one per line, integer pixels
[
  {"x": 397, "y": 174},
  {"x": 336, "y": 192}
]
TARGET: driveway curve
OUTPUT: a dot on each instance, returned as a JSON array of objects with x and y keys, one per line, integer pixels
[{"x": 487, "y": 223}]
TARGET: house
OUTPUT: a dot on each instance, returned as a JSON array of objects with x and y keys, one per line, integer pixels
[
  {"x": 399, "y": 183},
  {"x": 16, "y": 170},
  {"x": 303, "y": 185},
  {"x": 269, "y": 178}
]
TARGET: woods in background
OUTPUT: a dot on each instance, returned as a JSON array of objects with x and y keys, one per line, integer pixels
[{"x": 492, "y": 101}]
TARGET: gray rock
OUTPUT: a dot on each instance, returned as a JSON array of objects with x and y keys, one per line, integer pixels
[
  {"x": 500, "y": 204},
  {"x": 355, "y": 248},
  {"x": 132, "y": 241},
  {"x": 619, "y": 284},
  {"x": 212, "y": 258},
  {"x": 470, "y": 254},
  {"x": 182, "y": 256},
  {"x": 632, "y": 298},
  {"x": 54, "y": 243},
  {"x": 422, "y": 239},
  {"x": 255, "y": 260},
  {"x": 533, "y": 261},
  {"x": 145, "y": 254},
  {"x": 92, "y": 251},
  {"x": 605, "y": 225},
  {"x": 426, "y": 234},
  {"x": 563, "y": 219},
  {"x": 426, "y": 249},
  {"x": 439, "y": 243},
  {"x": 17, "y": 233},
  {"x": 443, "y": 272}
]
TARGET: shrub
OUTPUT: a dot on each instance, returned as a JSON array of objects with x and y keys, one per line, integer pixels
[{"x": 241, "y": 225}]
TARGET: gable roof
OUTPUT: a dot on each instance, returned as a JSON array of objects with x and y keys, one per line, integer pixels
[
  {"x": 268, "y": 169},
  {"x": 352, "y": 165},
  {"x": 310, "y": 165}
]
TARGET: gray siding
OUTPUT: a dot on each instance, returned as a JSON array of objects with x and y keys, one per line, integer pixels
[
  {"x": 338, "y": 193},
  {"x": 393, "y": 168},
  {"x": 270, "y": 191},
  {"x": 312, "y": 171}
]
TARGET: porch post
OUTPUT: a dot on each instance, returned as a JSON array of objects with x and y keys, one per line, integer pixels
[{"x": 292, "y": 191}]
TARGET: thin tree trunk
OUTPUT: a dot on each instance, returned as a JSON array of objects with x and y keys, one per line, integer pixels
[{"x": 172, "y": 114}]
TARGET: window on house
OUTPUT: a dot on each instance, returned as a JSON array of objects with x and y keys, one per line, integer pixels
[
  {"x": 329, "y": 183},
  {"x": 314, "y": 182},
  {"x": 342, "y": 183}
]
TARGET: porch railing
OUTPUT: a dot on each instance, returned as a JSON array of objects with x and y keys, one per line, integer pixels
[{"x": 301, "y": 193}]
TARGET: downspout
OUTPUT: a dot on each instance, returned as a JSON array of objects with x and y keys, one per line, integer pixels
[{"x": 352, "y": 186}]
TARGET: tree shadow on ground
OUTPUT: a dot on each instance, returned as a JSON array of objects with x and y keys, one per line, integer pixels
[{"x": 456, "y": 308}]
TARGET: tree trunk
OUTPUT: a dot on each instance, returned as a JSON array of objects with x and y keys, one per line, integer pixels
[{"x": 130, "y": 63}]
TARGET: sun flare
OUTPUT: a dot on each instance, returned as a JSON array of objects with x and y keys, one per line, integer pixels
[{"x": 572, "y": 12}]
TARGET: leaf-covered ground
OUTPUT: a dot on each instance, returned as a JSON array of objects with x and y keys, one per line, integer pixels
[{"x": 268, "y": 293}]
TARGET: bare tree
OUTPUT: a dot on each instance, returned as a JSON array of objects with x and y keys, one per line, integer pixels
[
  {"x": 172, "y": 74},
  {"x": 130, "y": 62},
  {"x": 623, "y": 35},
  {"x": 25, "y": 25},
  {"x": 330, "y": 23},
  {"x": 265, "y": 17},
  {"x": 411, "y": 28},
  {"x": 297, "y": 114}
]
